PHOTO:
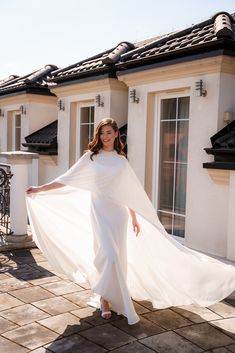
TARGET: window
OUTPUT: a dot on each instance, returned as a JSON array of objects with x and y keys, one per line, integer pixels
[
  {"x": 86, "y": 127},
  {"x": 174, "y": 121},
  {"x": 17, "y": 137},
  {"x": 13, "y": 131}
]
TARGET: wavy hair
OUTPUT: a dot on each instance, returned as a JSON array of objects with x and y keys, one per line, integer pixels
[{"x": 95, "y": 145}]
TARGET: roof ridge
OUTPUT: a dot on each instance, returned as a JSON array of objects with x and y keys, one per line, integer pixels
[
  {"x": 169, "y": 36},
  {"x": 90, "y": 59}
]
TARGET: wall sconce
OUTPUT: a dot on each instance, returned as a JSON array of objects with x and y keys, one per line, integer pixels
[
  {"x": 60, "y": 105},
  {"x": 1, "y": 112},
  {"x": 228, "y": 117},
  {"x": 133, "y": 96},
  {"x": 200, "y": 91},
  {"x": 98, "y": 101},
  {"x": 22, "y": 109}
]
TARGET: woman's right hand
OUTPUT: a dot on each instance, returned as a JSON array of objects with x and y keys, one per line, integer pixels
[{"x": 32, "y": 190}]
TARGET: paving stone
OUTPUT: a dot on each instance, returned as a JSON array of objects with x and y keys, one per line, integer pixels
[
  {"x": 205, "y": 336},
  {"x": 231, "y": 296},
  {"x": 170, "y": 342},
  {"x": 31, "y": 336},
  {"x": 36, "y": 258},
  {"x": 42, "y": 266},
  {"x": 56, "y": 305},
  {"x": 220, "y": 350},
  {"x": 223, "y": 309},
  {"x": 24, "y": 314},
  {"x": 8, "y": 301},
  {"x": 74, "y": 344},
  {"x": 3, "y": 276},
  {"x": 107, "y": 336},
  {"x": 167, "y": 318},
  {"x": 35, "y": 251},
  {"x": 6, "y": 325},
  {"x": 61, "y": 287},
  {"x": 40, "y": 350},
  {"x": 21, "y": 270},
  {"x": 231, "y": 348},
  {"x": 79, "y": 298},
  {"x": 65, "y": 324},
  {"x": 7, "y": 346},
  {"x": 45, "y": 277},
  {"x": 141, "y": 329},
  {"x": 32, "y": 294},
  {"x": 195, "y": 313},
  {"x": 93, "y": 316},
  {"x": 10, "y": 284},
  {"x": 84, "y": 312},
  {"x": 227, "y": 326},
  {"x": 35, "y": 275},
  {"x": 133, "y": 347},
  {"x": 147, "y": 305},
  {"x": 140, "y": 309},
  {"x": 84, "y": 285}
]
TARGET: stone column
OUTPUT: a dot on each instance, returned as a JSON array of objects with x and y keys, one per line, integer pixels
[{"x": 21, "y": 167}]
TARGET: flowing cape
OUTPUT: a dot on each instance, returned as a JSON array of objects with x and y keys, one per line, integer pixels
[{"x": 160, "y": 269}]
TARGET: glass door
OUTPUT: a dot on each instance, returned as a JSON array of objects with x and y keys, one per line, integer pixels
[{"x": 172, "y": 179}]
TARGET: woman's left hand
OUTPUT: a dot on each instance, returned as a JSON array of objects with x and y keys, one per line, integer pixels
[{"x": 136, "y": 226}]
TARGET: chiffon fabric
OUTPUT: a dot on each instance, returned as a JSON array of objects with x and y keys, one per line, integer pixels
[{"x": 85, "y": 231}]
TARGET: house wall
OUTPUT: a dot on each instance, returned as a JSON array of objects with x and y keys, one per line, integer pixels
[
  {"x": 114, "y": 96},
  {"x": 207, "y": 202},
  {"x": 40, "y": 111}
]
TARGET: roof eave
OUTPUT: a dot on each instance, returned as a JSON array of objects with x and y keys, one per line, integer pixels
[
  {"x": 181, "y": 55},
  {"x": 44, "y": 91},
  {"x": 78, "y": 79}
]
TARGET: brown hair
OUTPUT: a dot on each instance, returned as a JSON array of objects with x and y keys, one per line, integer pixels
[{"x": 95, "y": 145}]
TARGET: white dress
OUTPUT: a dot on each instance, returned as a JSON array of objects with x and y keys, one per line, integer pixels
[{"x": 85, "y": 231}]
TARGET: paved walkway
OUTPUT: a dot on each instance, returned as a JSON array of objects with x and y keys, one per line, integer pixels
[{"x": 41, "y": 311}]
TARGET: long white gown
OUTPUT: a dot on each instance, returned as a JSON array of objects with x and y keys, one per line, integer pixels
[{"x": 85, "y": 231}]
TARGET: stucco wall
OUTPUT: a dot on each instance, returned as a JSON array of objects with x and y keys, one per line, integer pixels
[{"x": 207, "y": 202}]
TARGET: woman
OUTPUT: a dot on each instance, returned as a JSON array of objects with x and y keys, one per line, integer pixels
[{"x": 82, "y": 224}]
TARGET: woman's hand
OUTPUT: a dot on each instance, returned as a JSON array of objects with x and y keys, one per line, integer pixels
[
  {"x": 32, "y": 190},
  {"x": 135, "y": 223},
  {"x": 136, "y": 226},
  {"x": 45, "y": 187}
]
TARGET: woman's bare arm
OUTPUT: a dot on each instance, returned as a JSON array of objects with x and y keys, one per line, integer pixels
[{"x": 44, "y": 187}]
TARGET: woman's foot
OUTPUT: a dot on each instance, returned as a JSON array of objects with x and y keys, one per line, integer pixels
[{"x": 105, "y": 310}]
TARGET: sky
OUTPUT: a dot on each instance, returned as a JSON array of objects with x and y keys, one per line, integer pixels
[{"x": 35, "y": 33}]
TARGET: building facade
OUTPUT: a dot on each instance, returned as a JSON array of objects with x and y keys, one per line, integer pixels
[{"x": 174, "y": 93}]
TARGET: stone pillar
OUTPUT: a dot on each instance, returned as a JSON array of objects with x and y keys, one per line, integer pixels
[
  {"x": 21, "y": 167},
  {"x": 231, "y": 221}
]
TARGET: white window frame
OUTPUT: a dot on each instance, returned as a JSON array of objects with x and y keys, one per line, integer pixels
[
  {"x": 14, "y": 127},
  {"x": 156, "y": 147},
  {"x": 78, "y": 125}
]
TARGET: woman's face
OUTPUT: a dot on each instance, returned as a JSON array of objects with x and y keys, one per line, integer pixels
[{"x": 107, "y": 137}]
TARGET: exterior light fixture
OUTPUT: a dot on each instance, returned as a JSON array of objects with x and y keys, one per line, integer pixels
[
  {"x": 22, "y": 109},
  {"x": 200, "y": 91},
  {"x": 228, "y": 117},
  {"x": 133, "y": 97},
  {"x": 1, "y": 112},
  {"x": 60, "y": 105},
  {"x": 98, "y": 101}
]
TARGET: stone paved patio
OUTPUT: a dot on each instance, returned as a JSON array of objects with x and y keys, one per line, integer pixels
[{"x": 42, "y": 311}]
